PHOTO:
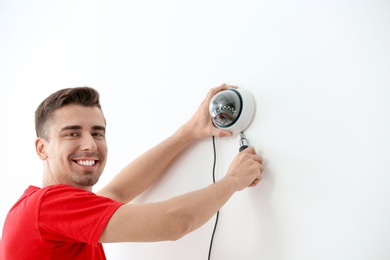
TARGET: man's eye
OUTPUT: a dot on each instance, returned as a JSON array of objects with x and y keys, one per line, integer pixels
[{"x": 72, "y": 134}]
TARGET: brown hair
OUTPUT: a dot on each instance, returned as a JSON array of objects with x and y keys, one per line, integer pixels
[{"x": 85, "y": 96}]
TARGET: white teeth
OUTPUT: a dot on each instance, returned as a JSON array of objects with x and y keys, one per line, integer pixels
[{"x": 86, "y": 162}]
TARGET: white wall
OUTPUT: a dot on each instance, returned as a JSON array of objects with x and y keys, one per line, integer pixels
[{"x": 320, "y": 74}]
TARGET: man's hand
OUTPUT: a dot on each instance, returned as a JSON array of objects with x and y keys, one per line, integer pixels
[
  {"x": 200, "y": 125},
  {"x": 246, "y": 169}
]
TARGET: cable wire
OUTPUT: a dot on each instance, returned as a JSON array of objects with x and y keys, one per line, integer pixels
[{"x": 217, "y": 216}]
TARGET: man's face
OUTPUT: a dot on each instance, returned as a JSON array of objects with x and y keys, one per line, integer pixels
[{"x": 76, "y": 151}]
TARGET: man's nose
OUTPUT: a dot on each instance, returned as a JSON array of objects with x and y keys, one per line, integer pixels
[{"x": 88, "y": 143}]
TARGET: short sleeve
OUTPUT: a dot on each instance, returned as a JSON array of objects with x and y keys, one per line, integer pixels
[{"x": 70, "y": 214}]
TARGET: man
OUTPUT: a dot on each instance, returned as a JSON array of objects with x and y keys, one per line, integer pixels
[{"x": 65, "y": 220}]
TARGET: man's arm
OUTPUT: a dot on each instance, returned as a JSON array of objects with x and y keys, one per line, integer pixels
[
  {"x": 137, "y": 176},
  {"x": 176, "y": 217}
]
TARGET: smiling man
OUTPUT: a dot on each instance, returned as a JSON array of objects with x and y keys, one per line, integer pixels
[
  {"x": 64, "y": 219},
  {"x": 77, "y": 141}
]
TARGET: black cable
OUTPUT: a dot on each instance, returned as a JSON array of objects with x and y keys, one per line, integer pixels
[{"x": 217, "y": 216}]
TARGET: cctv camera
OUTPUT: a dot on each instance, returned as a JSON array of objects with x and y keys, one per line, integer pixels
[{"x": 232, "y": 109}]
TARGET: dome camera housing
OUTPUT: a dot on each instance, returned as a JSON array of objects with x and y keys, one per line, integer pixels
[{"x": 232, "y": 110}]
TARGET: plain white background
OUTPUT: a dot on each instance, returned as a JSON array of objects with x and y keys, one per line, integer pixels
[{"x": 320, "y": 75}]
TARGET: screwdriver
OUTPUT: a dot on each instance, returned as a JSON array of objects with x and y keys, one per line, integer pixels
[{"x": 243, "y": 142}]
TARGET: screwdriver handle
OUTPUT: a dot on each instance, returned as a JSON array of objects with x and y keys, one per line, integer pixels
[
  {"x": 243, "y": 143},
  {"x": 242, "y": 148}
]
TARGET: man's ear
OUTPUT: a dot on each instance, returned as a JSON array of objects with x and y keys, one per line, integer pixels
[{"x": 40, "y": 147}]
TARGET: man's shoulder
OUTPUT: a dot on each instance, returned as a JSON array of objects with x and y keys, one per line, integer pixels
[
  {"x": 34, "y": 194},
  {"x": 52, "y": 188}
]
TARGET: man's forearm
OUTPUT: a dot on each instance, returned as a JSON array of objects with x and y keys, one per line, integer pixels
[
  {"x": 170, "y": 219},
  {"x": 138, "y": 175},
  {"x": 195, "y": 208}
]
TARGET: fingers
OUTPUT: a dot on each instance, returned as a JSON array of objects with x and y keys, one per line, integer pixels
[
  {"x": 221, "y": 133},
  {"x": 255, "y": 182},
  {"x": 215, "y": 90},
  {"x": 259, "y": 163},
  {"x": 251, "y": 150}
]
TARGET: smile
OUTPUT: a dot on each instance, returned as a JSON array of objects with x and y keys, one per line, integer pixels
[{"x": 86, "y": 162}]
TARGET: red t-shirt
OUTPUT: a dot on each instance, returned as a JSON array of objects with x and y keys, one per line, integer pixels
[{"x": 56, "y": 222}]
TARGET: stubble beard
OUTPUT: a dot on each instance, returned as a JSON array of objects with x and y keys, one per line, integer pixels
[{"x": 86, "y": 179}]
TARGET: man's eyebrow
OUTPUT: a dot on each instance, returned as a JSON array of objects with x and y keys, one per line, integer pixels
[
  {"x": 71, "y": 127},
  {"x": 99, "y": 127},
  {"x": 78, "y": 127}
]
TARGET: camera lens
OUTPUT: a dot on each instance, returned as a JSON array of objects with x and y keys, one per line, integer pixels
[{"x": 225, "y": 108}]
